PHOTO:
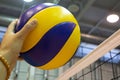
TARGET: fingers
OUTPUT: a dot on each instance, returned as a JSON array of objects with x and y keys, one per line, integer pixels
[
  {"x": 12, "y": 26},
  {"x": 27, "y": 28}
]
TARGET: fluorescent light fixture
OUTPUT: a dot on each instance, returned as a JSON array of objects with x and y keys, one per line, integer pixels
[
  {"x": 112, "y": 18},
  {"x": 28, "y": 0}
]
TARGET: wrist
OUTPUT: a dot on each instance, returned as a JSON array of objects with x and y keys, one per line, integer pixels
[
  {"x": 6, "y": 66},
  {"x": 10, "y": 57}
]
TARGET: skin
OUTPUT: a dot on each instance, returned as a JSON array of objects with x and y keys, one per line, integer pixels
[{"x": 12, "y": 43}]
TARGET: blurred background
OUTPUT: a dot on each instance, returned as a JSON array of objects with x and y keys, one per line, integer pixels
[{"x": 98, "y": 19}]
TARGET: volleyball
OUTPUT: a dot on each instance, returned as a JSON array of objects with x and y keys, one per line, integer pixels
[{"x": 55, "y": 39}]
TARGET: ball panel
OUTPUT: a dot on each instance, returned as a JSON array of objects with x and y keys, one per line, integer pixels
[
  {"x": 50, "y": 44},
  {"x": 66, "y": 52},
  {"x": 47, "y": 18},
  {"x": 30, "y": 12}
]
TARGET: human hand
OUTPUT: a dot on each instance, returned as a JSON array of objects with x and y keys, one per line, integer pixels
[
  {"x": 11, "y": 46},
  {"x": 12, "y": 42}
]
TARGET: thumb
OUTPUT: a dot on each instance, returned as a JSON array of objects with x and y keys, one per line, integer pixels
[
  {"x": 12, "y": 26},
  {"x": 27, "y": 28}
]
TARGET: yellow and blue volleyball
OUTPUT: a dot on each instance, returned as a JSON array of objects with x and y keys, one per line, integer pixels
[{"x": 55, "y": 39}]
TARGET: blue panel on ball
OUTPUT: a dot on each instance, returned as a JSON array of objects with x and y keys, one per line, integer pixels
[
  {"x": 29, "y": 13},
  {"x": 50, "y": 44}
]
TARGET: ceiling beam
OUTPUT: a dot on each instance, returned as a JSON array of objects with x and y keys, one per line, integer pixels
[
  {"x": 92, "y": 37},
  {"x": 54, "y": 1},
  {"x": 85, "y": 8},
  {"x": 92, "y": 26},
  {"x": 10, "y": 7},
  {"x": 7, "y": 18}
]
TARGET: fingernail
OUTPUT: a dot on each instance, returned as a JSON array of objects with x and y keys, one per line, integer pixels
[{"x": 34, "y": 22}]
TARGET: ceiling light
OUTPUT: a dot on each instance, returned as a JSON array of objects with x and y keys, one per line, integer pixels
[
  {"x": 112, "y": 18},
  {"x": 28, "y": 0}
]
